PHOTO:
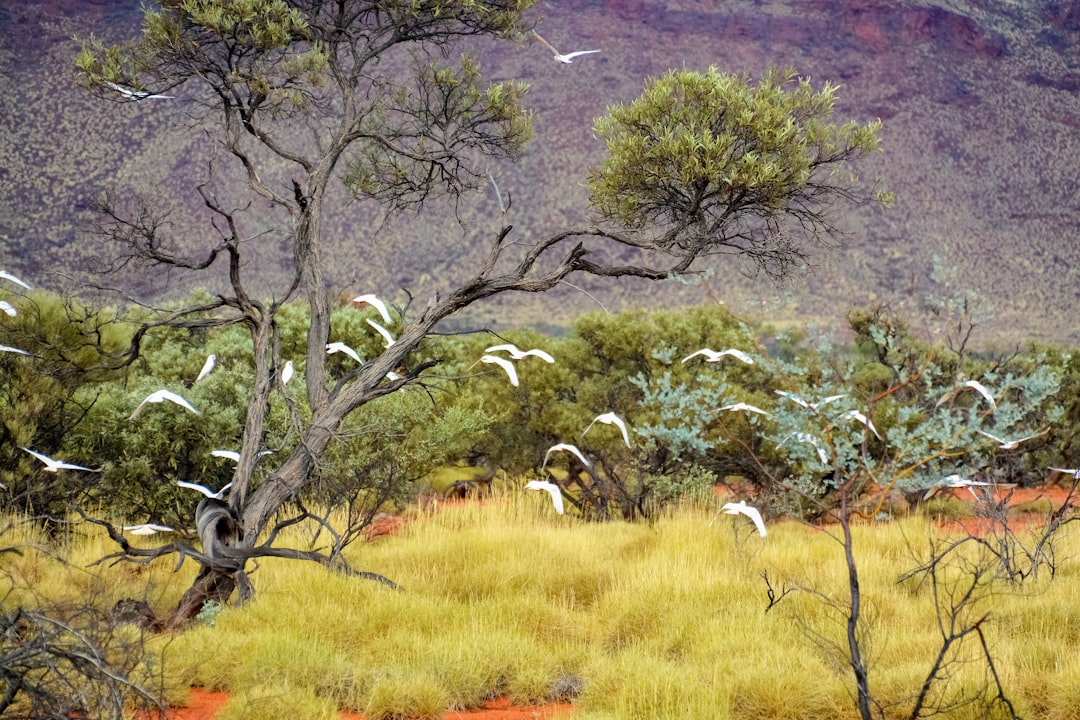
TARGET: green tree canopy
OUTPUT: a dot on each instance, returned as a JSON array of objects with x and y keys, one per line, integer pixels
[
  {"x": 304, "y": 93},
  {"x": 724, "y": 165}
]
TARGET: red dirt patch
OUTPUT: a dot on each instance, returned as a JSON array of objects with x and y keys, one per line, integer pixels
[
  {"x": 205, "y": 705},
  {"x": 1028, "y": 507},
  {"x": 202, "y": 705}
]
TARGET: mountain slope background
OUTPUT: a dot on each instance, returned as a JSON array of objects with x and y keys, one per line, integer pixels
[{"x": 981, "y": 142}]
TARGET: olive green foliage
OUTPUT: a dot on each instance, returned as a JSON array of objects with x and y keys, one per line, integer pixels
[
  {"x": 44, "y": 396},
  {"x": 638, "y": 366},
  {"x": 602, "y": 367},
  {"x": 84, "y": 417},
  {"x": 728, "y": 164}
]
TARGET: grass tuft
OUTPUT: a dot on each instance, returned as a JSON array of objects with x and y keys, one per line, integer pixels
[{"x": 660, "y": 620}]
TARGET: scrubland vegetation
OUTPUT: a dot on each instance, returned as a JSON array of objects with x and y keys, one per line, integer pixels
[
  {"x": 654, "y": 613},
  {"x": 632, "y": 604},
  {"x": 667, "y": 619}
]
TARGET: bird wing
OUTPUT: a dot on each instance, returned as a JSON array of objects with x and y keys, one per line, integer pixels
[
  {"x": 173, "y": 397},
  {"x": 551, "y": 489},
  {"x": 336, "y": 347},
  {"x": 227, "y": 454},
  {"x": 995, "y": 438},
  {"x": 749, "y": 511},
  {"x": 569, "y": 56},
  {"x": 611, "y": 418},
  {"x": 793, "y": 397},
  {"x": 505, "y": 365},
  {"x": 8, "y": 348},
  {"x": 540, "y": 354},
  {"x": 61, "y": 465},
  {"x": 136, "y": 94},
  {"x": 755, "y": 516},
  {"x": 382, "y": 331},
  {"x": 748, "y": 408},
  {"x": 375, "y": 303},
  {"x": 733, "y": 352},
  {"x": 43, "y": 458},
  {"x": 121, "y": 89},
  {"x": 514, "y": 351},
  {"x": 567, "y": 448},
  {"x": 8, "y": 276},
  {"x": 207, "y": 367},
  {"x": 195, "y": 486},
  {"x": 703, "y": 351},
  {"x": 856, "y": 415},
  {"x": 981, "y": 389},
  {"x": 822, "y": 455},
  {"x": 556, "y": 498},
  {"x": 8, "y": 308},
  {"x": 146, "y": 529}
]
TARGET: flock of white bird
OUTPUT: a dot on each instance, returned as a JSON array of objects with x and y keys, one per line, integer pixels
[
  {"x": 507, "y": 365},
  {"x": 610, "y": 418},
  {"x": 515, "y": 354}
]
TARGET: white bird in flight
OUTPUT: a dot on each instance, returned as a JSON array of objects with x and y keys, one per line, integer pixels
[
  {"x": 517, "y": 353},
  {"x": 856, "y": 415},
  {"x": 340, "y": 347},
  {"x": 235, "y": 456},
  {"x": 956, "y": 481},
  {"x": 136, "y": 94},
  {"x": 5, "y": 275},
  {"x": 8, "y": 308},
  {"x": 57, "y": 465},
  {"x": 718, "y": 355},
  {"x": 147, "y": 529},
  {"x": 504, "y": 364},
  {"x": 610, "y": 419},
  {"x": 808, "y": 438},
  {"x": 552, "y": 489},
  {"x": 971, "y": 385},
  {"x": 568, "y": 57},
  {"x": 809, "y": 405},
  {"x": 1011, "y": 444},
  {"x": 159, "y": 396},
  {"x": 1075, "y": 472},
  {"x": 568, "y": 448},
  {"x": 981, "y": 389},
  {"x": 741, "y": 508},
  {"x": 8, "y": 348},
  {"x": 743, "y": 406},
  {"x": 220, "y": 494},
  {"x": 207, "y": 367},
  {"x": 376, "y": 303}
]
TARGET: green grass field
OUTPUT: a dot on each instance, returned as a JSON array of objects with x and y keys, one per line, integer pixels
[{"x": 661, "y": 620}]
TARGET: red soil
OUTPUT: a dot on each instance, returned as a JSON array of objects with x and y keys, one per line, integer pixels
[
  {"x": 204, "y": 705},
  {"x": 1029, "y": 507}
]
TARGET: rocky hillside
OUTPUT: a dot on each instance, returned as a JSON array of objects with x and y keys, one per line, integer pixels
[{"x": 981, "y": 143}]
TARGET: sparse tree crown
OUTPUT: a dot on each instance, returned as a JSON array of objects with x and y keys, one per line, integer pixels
[{"x": 728, "y": 166}]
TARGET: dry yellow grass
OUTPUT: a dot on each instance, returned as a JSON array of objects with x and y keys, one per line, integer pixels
[{"x": 661, "y": 620}]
